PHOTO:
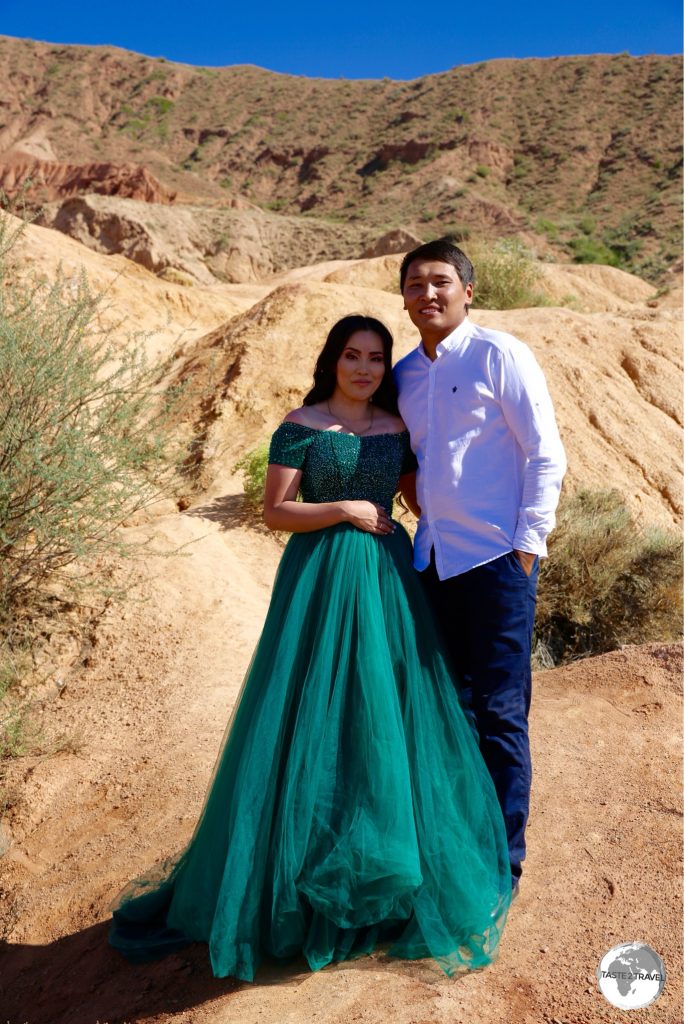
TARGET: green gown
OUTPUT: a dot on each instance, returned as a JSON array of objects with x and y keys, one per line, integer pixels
[{"x": 349, "y": 805}]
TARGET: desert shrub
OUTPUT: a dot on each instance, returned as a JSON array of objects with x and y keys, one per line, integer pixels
[
  {"x": 606, "y": 582},
  {"x": 175, "y": 276},
  {"x": 83, "y": 438},
  {"x": 162, "y": 104},
  {"x": 20, "y": 730},
  {"x": 521, "y": 166},
  {"x": 254, "y": 465},
  {"x": 456, "y": 233},
  {"x": 624, "y": 240},
  {"x": 593, "y": 250},
  {"x": 548, "y": 227},
  {"x": 505, "y": 275}
]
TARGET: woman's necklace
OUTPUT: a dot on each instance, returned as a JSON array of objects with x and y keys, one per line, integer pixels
[{"x": 351, "y": 430}]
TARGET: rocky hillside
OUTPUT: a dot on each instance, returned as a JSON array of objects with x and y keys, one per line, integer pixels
[
  {"x": 580, "y": 155},
  {"x": 612, "y": 356}
]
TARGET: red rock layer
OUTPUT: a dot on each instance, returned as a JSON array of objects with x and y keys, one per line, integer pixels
[{"x": 50, "y": 180}]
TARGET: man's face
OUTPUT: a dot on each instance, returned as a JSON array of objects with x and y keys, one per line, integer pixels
[{"x": 434, "y": 298}]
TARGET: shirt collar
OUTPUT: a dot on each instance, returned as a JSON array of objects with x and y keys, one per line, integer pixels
[{"x": 450, "y": 342}]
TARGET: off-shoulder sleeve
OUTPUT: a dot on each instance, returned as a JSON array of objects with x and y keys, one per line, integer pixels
[
  {"x": 409, "y": 462},
  {"x": 289, "y": 444}
]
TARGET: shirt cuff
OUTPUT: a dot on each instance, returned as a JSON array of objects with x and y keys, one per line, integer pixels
[{"x": 530, "y": 541}]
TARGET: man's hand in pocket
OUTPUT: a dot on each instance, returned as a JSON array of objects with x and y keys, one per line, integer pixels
[{"x": 526, "y": 559}]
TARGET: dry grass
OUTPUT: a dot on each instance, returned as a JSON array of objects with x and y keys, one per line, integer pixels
[
  {"x": 607, "y": 581},
  {"x": 506, "y": 275}
]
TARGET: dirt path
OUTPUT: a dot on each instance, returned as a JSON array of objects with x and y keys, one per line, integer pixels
[{"x": 150, "y": 707}]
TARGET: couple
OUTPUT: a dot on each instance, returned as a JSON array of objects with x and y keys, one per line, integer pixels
[{"x": 374, "y": 781}]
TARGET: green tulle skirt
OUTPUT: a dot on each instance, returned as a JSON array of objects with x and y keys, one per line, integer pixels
[{"x": 349, "y": 805}]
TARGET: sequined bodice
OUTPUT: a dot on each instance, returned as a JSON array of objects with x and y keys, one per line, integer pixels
[{"x": 337, "y": 466}]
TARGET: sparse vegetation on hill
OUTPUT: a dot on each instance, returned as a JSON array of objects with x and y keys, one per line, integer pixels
[
  {"x": 582, "y": 152},
  {"x": 83, "y": 445}
]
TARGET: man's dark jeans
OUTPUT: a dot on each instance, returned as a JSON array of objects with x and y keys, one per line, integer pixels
[{"x": 486, "y": 617}]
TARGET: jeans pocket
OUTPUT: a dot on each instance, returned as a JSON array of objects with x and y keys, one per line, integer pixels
[{"x": 517, "y": 565}]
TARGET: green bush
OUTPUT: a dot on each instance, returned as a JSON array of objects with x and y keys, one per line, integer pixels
[
  {"x": 254, "y": 465},
  {"x": 84, "y": 438},
  {"x": 505, "y": 275},
  {"x": 162, "y": 104},
  {"x": 592, "y": 250},
  {"x": 521, "y": 166},
  {"x": 606, "y": 582},
  {"x": 548, "y": 227}
]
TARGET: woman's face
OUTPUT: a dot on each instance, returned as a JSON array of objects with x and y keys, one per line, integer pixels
[{"x": 361, "y": 366}]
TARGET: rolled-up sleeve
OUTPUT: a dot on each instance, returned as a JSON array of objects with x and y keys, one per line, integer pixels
[{"x": 527, "y": 407}]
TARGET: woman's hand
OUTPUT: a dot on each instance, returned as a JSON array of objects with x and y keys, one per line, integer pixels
[
  {"x": 282, "y": 511},
  {"x": 367, "y": 516}
]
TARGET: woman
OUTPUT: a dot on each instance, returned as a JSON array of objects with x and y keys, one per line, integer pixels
[{"x": 350, "y": 804}]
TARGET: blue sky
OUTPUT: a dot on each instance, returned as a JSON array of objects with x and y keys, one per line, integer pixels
[{"x": 356, "y": 39}]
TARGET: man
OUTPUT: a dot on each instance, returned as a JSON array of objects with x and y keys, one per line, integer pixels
[{"x": 490, "y": 465}]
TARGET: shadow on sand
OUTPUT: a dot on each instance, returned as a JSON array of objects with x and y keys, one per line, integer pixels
[
  {"x": 79, "y": 979},
  {"x": 229, "y": 511}
]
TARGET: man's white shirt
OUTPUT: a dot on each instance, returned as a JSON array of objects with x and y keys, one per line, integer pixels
[{"x": 490, "y": 459}]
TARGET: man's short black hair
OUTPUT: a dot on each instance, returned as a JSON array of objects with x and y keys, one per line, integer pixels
[{"x": 444, "y": 251}]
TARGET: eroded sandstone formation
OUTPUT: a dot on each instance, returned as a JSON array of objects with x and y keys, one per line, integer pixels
[{"x": 48, "y": 180}]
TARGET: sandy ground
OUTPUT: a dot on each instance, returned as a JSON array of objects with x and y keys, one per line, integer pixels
[{"x": 147, "y": 703}]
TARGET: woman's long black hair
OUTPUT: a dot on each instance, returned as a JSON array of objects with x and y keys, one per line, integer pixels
[{"x": 325, "y": 374}]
